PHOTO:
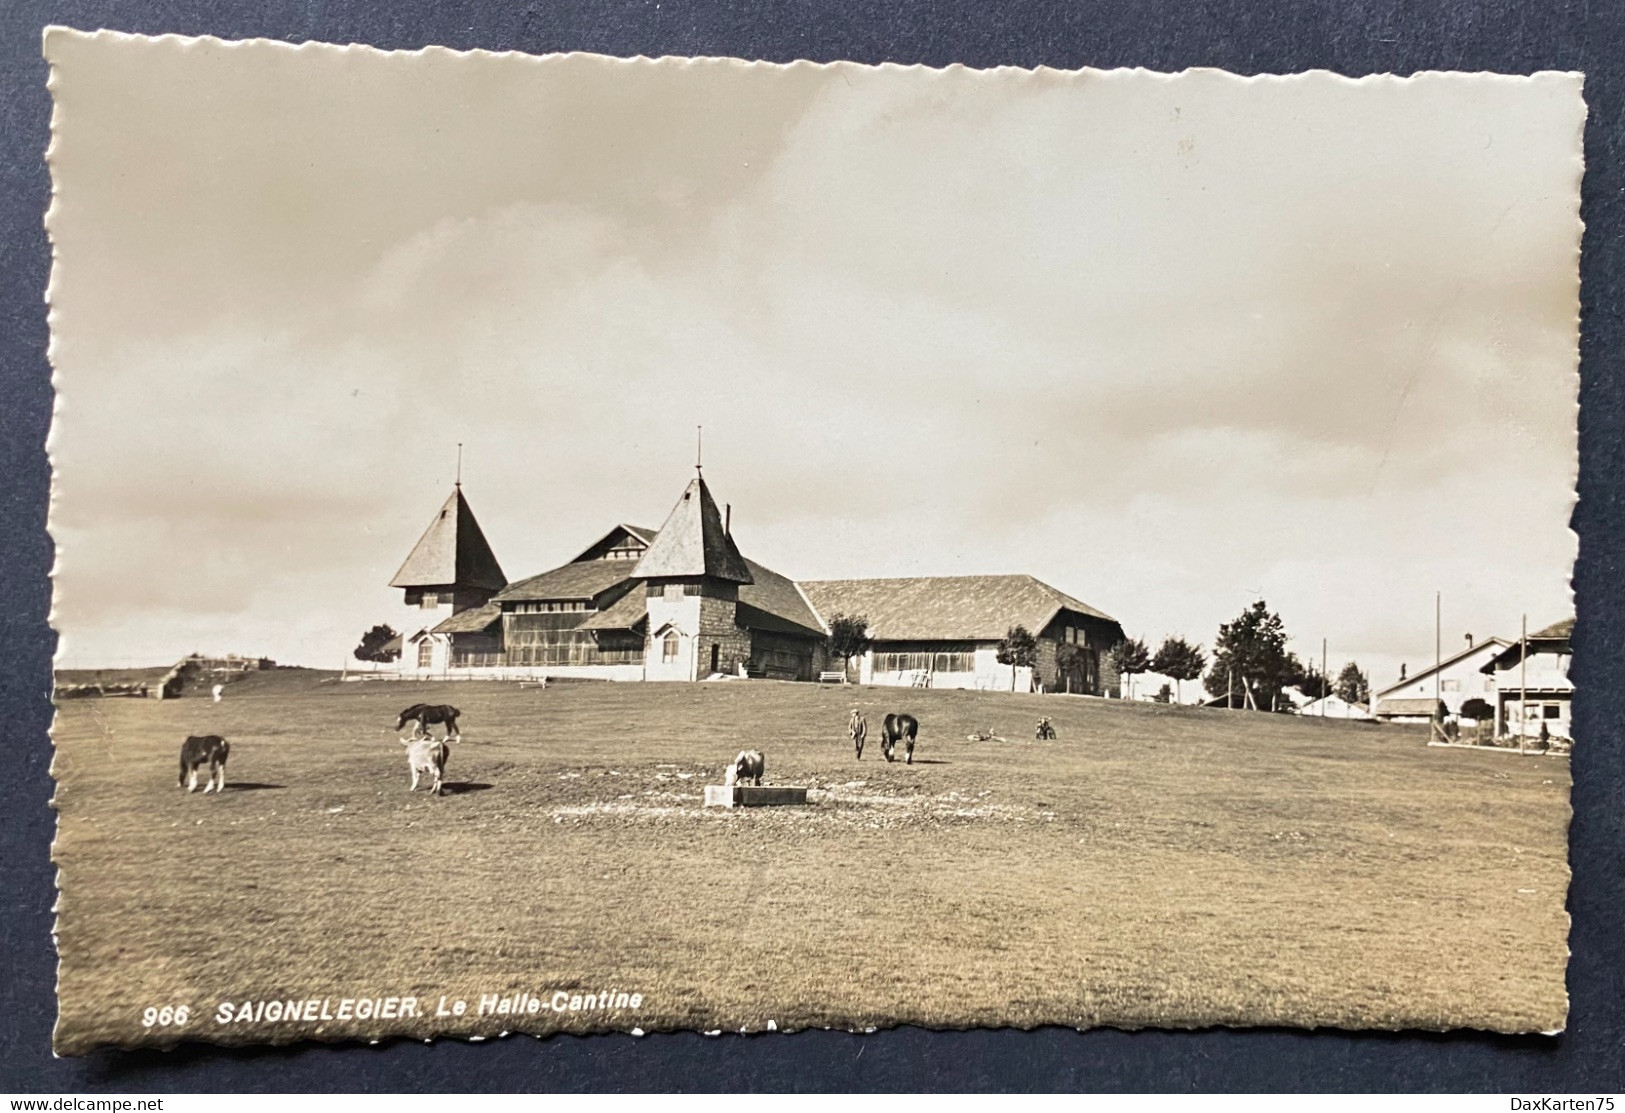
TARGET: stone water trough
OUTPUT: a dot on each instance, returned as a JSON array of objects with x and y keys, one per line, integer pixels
[{"x": 753, "y": 796}]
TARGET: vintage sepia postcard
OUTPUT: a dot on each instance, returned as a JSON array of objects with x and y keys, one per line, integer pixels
[{"x": 573, "y": 544}]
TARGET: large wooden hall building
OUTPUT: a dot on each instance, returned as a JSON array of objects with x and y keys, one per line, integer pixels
[{"x": 682, "y": 603}]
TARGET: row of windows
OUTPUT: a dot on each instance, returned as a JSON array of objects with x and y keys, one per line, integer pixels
[
  {"x": 571, "y": 654},
  {"x": 552, "y": 607},
  {"x": 671, "y": 591},
  {"x": 925, "y": 662}
]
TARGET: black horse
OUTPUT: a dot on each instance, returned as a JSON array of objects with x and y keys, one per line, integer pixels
[
  {"x": 426, "y": 715},
  {"x": 899, "y": 728}
]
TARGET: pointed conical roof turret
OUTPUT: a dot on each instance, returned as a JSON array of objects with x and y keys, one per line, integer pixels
[
  {"x": 452, "y": 551},
  {"x": 693, "y": 542}
]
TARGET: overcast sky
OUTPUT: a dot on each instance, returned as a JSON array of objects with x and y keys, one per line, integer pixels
[{"x": 1169, "y": 344}]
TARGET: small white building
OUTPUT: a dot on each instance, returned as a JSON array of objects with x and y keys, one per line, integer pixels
[
  {"x": 1530, "y": 678},
  {"x": 1452, "y": 682},
  {"x": 1335, "y": 707},
  {"x": 1147, "y": 686}
]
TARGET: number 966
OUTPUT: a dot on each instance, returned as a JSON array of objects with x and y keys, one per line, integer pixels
[{"x": 166, "y": 1017}]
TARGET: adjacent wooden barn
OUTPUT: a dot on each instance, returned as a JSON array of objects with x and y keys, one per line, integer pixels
[{"x": 944, "y": 632}]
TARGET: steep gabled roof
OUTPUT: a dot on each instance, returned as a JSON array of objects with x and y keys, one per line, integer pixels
[
  {"x": 1478, "y": 647},
  {"x": 604, "y": 543},
  {"x": 452, "y": 552},
  {"x": 693, "y": 542},
  {"x": 945, "y": 608}
]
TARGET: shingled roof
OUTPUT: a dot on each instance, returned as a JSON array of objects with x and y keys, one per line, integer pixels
[
  {"x": 578, "y": 580},
  {"x": 945, "y": 608},
  {"x": 472, "y": 621},
  {"x": 693, "y": 542},
  {"x": 1410, "y": 708},
  {"x": 452, "y": 552},
  {"x": 1554, "y": 637}
]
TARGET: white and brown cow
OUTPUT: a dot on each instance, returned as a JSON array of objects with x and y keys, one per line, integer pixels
[{"x": 427, "y": 757}]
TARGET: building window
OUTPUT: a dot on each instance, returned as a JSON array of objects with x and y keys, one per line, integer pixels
[
  {"x": 1449, "y": 685},
  {"x": 668, "y": 647},
  {"x": 924, "y": 662},
  {"x": 430, "y": 600},
  {"x": 1552, "y": 711},
  {"x": 425, "y": 655}
]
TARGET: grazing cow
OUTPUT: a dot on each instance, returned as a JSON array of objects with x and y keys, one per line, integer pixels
[
  {"x": 208, "y": 749},
  {"x": 858, "y": 727},
  {"x": 748, "y": 766},
  {"x": 425, "y": 715},
  {"x": 1046, "y": 732},
  {"x": 427, "y": 756},
  {"x": 899, "y": 728}
]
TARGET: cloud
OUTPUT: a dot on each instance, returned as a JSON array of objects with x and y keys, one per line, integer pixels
[{"x": 1163, "y": 342}]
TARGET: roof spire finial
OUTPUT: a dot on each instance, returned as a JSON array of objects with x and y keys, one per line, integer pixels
[
  {"x": 459, "y": 483},
  {"x": 699, "y": 447}
]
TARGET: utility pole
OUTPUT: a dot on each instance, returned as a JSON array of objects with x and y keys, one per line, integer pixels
[
  {"x": 459, "y": 483},
  {"x": 1438, "y": 662},
  {"x": 1325, "y": 680},
  {"x": 1523, "y": 684}
]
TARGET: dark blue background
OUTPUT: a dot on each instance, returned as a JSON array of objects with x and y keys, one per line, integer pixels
[{"x": 1349, "y": 36}]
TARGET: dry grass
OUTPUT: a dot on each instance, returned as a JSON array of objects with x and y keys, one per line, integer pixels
[{"x": 1154, "y": 866}]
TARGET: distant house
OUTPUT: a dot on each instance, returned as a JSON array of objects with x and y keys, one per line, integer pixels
[
  {"x": 1459, "y": 679},
  {"x": 943, "y": 632},
  {"x": 1531, "y": 682},
  {"x": 1335, "y": 707}
]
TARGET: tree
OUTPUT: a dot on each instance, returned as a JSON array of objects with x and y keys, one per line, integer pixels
[
  {"x": 1250, "y": 657},
  {"x": 375, "y": 645},
  {"x": 1179, "y": 660},
  {"x": 1481, "y": 713},
  {"x": 848, "y": 638},
  {"x": 1019, "y": 649},
  {"x": 1353, "y": 686},
  {"x": 1306, "y": 678},
  {"x": 1130, "y": 657}
]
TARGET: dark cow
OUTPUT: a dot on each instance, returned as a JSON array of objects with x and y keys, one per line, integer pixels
[
  {"x": 858, "y": 728},
  {"x": 427, "y": 756},
  {"x": 1046, "y": 732},
  {"x": 198, "y": 750},
  {"x": 425, "y": 715},
  {"x": 748, "y": 766},
  {"x": 899, "y": 728}
]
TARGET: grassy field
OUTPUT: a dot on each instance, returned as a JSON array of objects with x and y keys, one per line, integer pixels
[{"x": 1154, "y": 866}]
